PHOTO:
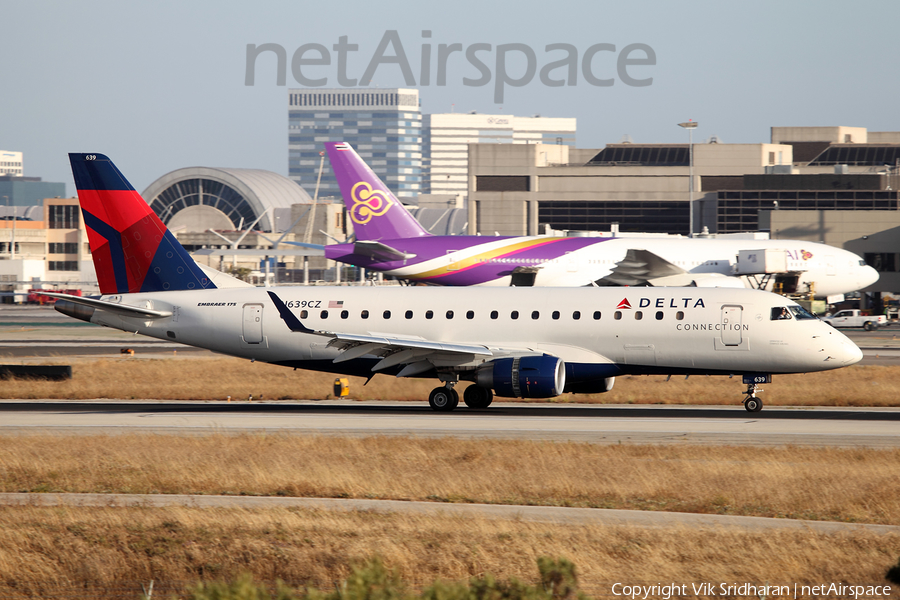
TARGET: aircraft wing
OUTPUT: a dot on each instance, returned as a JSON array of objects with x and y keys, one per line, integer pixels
[
  {"x": 642, "y": 267},
  {"x": 416, "y": 353},
  {"x": 378, "y": 251},
  {"x": 123, "y": 310}
]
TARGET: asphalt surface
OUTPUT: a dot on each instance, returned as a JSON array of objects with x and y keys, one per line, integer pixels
[{"x": 613, "y": 424}]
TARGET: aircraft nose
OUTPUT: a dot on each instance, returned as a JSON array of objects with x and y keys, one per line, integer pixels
[
  {"x": 869, "y": 276},
  {"x": 851, "y": 353}
]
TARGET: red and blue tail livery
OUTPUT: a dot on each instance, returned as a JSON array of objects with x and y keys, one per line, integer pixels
[{"x": 133, "y": 250}]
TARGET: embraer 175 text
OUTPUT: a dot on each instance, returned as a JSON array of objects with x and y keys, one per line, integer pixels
[
  {"x": 510, "y": 342},
  {"x": 389, "y": 239}
]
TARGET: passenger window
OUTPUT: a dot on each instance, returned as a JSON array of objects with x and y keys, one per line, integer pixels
[
  {"x": 429, "y": 314},
  {"x": 409, "y": 314},
  {"x": 364, "y": 314},
  {"x": 638, "y": 315},
  {"x": 494, "y": 314},
  {"x": 345, "y": 314},
  {"x": 470, "y": 314},
  {"x": 618, "y": 315},
  {"x": 535, "y": 315},
  {"x": 449, "y": 314},
  {"x": 576, "y": 315},
  {"x": 679, "y": 316},
  {"x": 597, "y": 315},
  {"x": 324, "y": 314},
  {"x": 780, "y": 313},
  {"x": 514, "y": 315},
  {"x": 304, "y": 314},
  {"x": 387, "y": 314},
  {"x": 659, "y": 315},
  {"x": 555, "y": 315}
]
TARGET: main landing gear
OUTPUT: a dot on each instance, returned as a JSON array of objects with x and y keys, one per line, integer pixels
[{"x": 445, "y": 398}]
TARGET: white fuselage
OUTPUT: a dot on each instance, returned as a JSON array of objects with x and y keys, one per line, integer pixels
[
  {"x": 665, "y": 330},
  {"x": 826, "y": 270}
]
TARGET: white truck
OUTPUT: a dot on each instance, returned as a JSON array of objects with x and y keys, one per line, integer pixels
[{"x": 856, "y": 318}]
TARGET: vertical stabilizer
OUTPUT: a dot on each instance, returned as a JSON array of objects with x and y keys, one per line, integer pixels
[
  {"x": 375, "y": 212},
  {"x": 133, "y": 251}
]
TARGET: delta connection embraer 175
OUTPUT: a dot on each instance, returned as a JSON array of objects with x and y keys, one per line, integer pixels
[
  {"x": 509, "y": 342},
  {"x": 389, "y": 239}
]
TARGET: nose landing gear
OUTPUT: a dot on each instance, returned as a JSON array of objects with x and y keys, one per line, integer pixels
[{"x": 751, "y": 402}]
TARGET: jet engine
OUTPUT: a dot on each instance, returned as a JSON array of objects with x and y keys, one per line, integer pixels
[{"x": 536, "y": 376}]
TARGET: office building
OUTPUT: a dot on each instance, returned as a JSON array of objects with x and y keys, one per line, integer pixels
[
  {"x": 446, "y": 138},
  {"x": 11, "y": 163},
  {"x": 383, "y": 125}
]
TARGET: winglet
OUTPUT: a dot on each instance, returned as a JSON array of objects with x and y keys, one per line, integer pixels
[{"x": 290, "y": 320}]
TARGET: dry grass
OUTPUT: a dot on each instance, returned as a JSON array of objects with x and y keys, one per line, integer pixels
[
  {"x": 184, "y": 377},
  {"x": 854, "y": 485},
  {"x": 47, "y": 550}
]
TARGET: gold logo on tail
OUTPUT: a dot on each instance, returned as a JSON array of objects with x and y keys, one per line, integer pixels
[{"x": 367, "y": 203}]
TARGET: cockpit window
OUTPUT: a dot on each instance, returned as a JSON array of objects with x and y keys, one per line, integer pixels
[
  {"x": 862, "y": 263},
  {"x": 780, "y": 313},
  {"x": 801, "y": 313}
]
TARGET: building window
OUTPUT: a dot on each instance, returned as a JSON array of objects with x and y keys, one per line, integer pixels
[
  {"x": 62, "y": 265},
  {"x": 63, "y": 216},
  {"x": 883, "y": 262}
]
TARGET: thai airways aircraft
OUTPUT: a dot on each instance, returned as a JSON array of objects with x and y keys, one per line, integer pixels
[
  {"x": 389, "y": 239},
  {"x": 510, "y": 342}
]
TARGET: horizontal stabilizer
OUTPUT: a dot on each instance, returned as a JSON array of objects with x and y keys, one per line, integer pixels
[
  {"x": 123, "y": 310},
  {"x": 379, "y": 252}
]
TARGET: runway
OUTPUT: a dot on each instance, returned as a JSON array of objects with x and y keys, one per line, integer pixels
[{"x": 611, "y": 424}]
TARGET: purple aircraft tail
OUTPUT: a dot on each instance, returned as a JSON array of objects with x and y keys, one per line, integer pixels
[{"x": 375, "y": 212}]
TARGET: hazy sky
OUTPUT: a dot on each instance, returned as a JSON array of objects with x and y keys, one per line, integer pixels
[{"x": 160, "y": 86}]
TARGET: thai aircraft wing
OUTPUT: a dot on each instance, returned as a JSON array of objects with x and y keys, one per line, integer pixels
[
  {"x": 642, "y": 267},
  {"x": 418, "y": 354},
  {"x": 123, "y": 310},
  {"x": 378, "y": 251}
]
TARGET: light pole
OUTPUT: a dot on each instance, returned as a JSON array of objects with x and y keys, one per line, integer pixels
[
  {"x": 691, "y": 125},
  {"x": 12, "y": 244}
]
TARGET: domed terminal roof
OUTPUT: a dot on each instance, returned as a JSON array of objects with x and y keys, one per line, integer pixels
[{"x": 238, "y": 195}]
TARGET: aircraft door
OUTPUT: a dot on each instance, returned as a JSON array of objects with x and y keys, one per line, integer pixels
[
  {"x": 452, "y": 263},
  {"x": 731, "y": 325},
  {"x": 252, "y": 329}
]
